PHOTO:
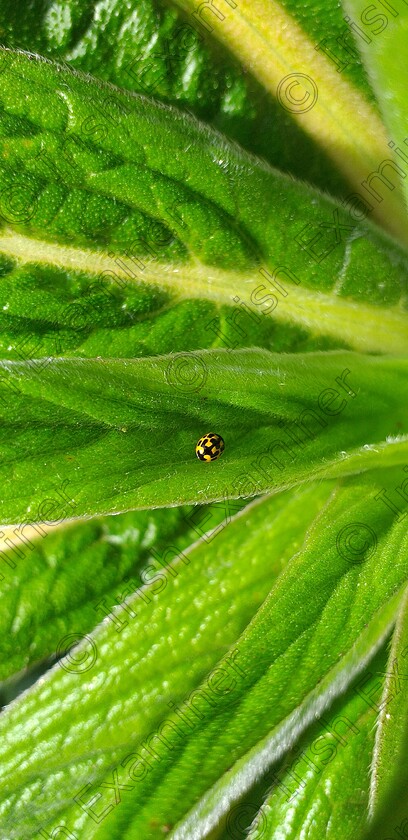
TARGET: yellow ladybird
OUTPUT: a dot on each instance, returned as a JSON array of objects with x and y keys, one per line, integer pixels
[{"x": 210, "y": 447}]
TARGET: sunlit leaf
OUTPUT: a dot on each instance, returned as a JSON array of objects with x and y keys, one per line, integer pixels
[
  {"x": 298, "y": 653},
  {"x": 307, "y": 83},
  {"x": 283, "y": 418},
  {"x": 89, "y": 188}
]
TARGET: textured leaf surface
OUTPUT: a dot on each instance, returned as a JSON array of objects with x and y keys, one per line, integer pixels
[
  {"x": 385, "y": 37},
  {"x": 287, "y": 666},
  {"x": 158, "y": 281},
  {"x": 89, "y": 189},
  {"x": 322, "y": 787},
  {"x": 58, "y": 581},
  {"x": 47, "y": 311},
  {"x": 112, "y": 435},
  {"x": 152, "y": 48},
  {"x": 307, "y": 83},
  {"x": 392, "y": 729},
  {"x": 347, "y": 529}
]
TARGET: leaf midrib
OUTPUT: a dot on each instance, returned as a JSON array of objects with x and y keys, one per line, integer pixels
[{"x": 365, "y": 327}]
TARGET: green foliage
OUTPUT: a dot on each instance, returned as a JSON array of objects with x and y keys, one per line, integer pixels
[
  {"x": 201, "y": 650},
  {"x": 150, "y": 49},
  {"x": 137, "y": 411}
]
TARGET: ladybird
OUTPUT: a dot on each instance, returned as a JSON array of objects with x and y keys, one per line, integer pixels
[{"x": 210, "y": 447}]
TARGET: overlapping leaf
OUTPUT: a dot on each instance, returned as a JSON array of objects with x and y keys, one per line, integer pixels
[
  {"x": 299, "y": 651},
  {"x": 148, "y": 46},
  {"x": 308, "y": 83},
  {"x": 59, "y": 581},
  {"x": 88, "y": 186},
  {"x": 385, "y": 36},
  {"x": 322, "y": 787},
  {"x": 387, "y": 804},
  {"x": 130, "y": 230}
]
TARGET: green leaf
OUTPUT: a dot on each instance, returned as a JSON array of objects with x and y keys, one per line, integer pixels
[
  {"x": 307, "y": 83},
  {"x": 385, "y": 36},
  {"x": 322, "y": 785},
  {"x": 58, "y": 581},
  {"x": 389, "y": 776},
  {"x": 88, "y": 187},
  {"x": 347, "y": 529},
  {"x": 158, "y": 281},
  {"x": 297, "y": 654},
  {"x": 392, "y": 730},
  {"x": 233, "y": 576},
  {"x": 151, "y": 48},
  {"x": 46, "y": 311},
  {"x": 327, "y": 28},
  {"x": 284, "y": 420}
]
